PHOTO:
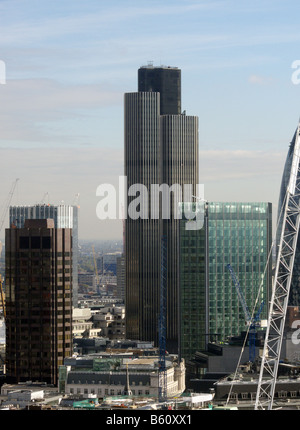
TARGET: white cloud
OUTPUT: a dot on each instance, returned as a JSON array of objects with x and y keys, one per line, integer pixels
[
  {"x": 36, "y": 95},
  {"x": 245, "y": 176},
  {"x": 26, "y": 30},
  {"x": 261, "y": 80},
  {"x": 26, "y": 103},
  {"x": 220, "y": 165}
]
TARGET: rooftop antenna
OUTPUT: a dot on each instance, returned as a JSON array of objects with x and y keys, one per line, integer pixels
[
  {"x": 7, "y": 203},
  {"x": 127, "y": 390}
]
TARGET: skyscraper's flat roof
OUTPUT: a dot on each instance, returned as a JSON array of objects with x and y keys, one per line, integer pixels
[{"x": 151, "y": 66}]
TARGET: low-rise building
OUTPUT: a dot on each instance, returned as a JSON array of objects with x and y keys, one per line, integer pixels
[
  {"x": 106, "y": 321},
  {"x": 29, "y": 394},
  {"x": 83, "y": 324},
  {"x": 111, "y": 321},
  {"x": 107, "y": 376}
]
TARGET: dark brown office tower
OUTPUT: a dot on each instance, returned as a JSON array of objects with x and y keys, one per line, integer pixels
[
  {"x": 38, "y": 287},
  {"x": 161, "y": 147}
]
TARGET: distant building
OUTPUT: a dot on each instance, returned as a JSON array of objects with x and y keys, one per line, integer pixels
[
  {"x": 111, "y": 321},
  {"x": 64, "y": 216},
  {"x": 38, "y": 301},
  {"x": 121, "y": 277},
  {"x": 107, "y": 263},
  {"x": 244, "y": 390},
  {"x": 102, "y": 345},
  {"x": 86, "y": 279},
  {"x": 82, "y": 323},
  {"x": 28, "y": 395}
]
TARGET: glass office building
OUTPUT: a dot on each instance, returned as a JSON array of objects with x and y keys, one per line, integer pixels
[{"x": 239, "y": 234}]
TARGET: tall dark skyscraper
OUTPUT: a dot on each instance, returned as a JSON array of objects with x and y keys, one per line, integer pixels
[{"x": 161, "y": 147}]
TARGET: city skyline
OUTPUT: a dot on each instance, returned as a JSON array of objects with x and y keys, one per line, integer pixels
[{"x": 69, "y": 65}]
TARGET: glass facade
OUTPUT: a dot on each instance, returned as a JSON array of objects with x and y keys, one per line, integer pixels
[
  {"x": 239, "y": 234},
  {"x": 192, "y": 295},
  {"x": 62, "y": 215}
]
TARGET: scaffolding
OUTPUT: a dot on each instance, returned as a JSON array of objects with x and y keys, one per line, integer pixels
[{"x": 281, "y": 287}]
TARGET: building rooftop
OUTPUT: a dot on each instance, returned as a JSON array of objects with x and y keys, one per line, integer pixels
[
  {"x": 151, "y": 66},
  {"x": 39, "y": 223}
]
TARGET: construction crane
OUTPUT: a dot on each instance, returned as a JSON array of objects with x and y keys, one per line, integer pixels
[
  {"x": 2, "y": 219},
  {"x": 7, "y": 203},
  {"x": 288, "y": 232},
  {"x": 43, "y": 202},
  {"x": 252, "y": 322},
  {"x": 162, "y": 370},
  {"x": 95, "y": 265}
]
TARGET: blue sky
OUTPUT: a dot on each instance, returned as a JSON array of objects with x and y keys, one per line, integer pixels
[{"x": 68, "y": 64}]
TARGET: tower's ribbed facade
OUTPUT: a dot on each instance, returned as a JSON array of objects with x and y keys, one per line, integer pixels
[
  {"x": 142, "y": 246},
  {"x": 161, "y": 147}
]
